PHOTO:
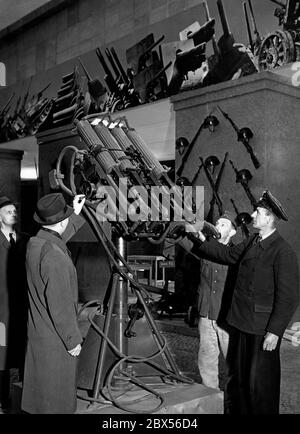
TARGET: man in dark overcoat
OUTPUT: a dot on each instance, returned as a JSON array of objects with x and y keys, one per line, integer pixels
[
  {"x": 265, "y": 298},
  {"x": 13, "y": 296},
  {"x": 54, "y": 338}
]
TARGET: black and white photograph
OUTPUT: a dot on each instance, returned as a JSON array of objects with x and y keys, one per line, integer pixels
[{"x": 149, "y": 210}]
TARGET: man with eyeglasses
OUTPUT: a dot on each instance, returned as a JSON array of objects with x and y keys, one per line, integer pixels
[{"x": 13, "y": 296}]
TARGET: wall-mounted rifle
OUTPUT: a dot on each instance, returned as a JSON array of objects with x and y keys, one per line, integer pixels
[
  {"x": 209, "y": 162},
  {"x": 214, "y": 190},
  {"x": 243, "y": 177},
  {"x": 243, "y": 219},
  {"x": 243, "y": 135},
  {"x": 205, "y": 124}
]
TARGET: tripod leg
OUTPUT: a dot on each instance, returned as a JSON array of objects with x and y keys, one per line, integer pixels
[
  {"x": 159, "y": 338},
  {"x": 108, "y": 318}
]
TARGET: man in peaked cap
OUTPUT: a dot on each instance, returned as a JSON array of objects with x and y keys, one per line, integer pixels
[
  {"x": 54, "y": 339},
  {"x": 13, "y": 296},
  {"x": 265, "y": 298}
]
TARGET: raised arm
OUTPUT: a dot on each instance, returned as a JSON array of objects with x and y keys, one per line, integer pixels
[
  {"x": 75, "y": 220},
  {"x": 217, "y": 252}
]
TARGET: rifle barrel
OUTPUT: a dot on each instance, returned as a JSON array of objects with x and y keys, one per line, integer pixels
[
  {"x": 85, "y": 70},
  {"x": 223, "y": 18},
  {"x": 208, "y": 18},
  {"x": 119, "y": 65},
  {"x": 248, "y": 25},
  {"x": 279, "y": 3},
  {"x": 221, "y": 172},
  {"x": 7, "y": 104},
  {"x": 112, "y": 62},
  {"x": 253, "y": 20},
  {"x": 215, "y": 193}
]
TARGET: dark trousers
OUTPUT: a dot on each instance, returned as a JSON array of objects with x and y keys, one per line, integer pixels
[
  {"x": 254, "y": 376},
  {"x": 4, "y": 388}
]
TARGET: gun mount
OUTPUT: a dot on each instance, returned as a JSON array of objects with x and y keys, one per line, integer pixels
[
  {"x": 282, "y": 46},
  {"x": 231, "y": 57},
  {"x": 114, "y": 152}
]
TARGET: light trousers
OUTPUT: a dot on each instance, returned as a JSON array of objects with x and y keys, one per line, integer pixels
[{"x": 212, "y": 346}]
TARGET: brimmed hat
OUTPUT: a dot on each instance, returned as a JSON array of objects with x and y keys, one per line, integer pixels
[
  {"x": 4, "y": 200},
  {"x": 229, "y": 216},
  {"x": 273, "y": 205},
  {"x": 52, "y": 209}
]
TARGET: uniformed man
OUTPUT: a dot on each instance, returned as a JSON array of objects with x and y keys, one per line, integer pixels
[
  {"x": 214, "y": 299},
  {"x": 265, "y": 298}
]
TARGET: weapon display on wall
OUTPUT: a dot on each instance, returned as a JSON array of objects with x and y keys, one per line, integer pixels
[
  {"x": 243, "y": 135},
  {"x": 216, "y": 197},
  {"x": 209, "y": 122},
  {"x": 243, "y": 219},
  {"x": 210, "y": 164},
  {"x": 243, "y": 177}
]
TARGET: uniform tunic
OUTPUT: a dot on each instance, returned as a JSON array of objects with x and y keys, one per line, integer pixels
[
  {"x": 266, "y": 292},
  {"x": 50, "y": 371},
  {"x": 265, "y": 298}
]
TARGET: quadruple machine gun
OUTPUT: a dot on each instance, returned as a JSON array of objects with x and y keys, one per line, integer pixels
[{"x": 114, "y": 159}]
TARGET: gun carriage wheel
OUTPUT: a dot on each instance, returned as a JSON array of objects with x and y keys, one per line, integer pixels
[{"x": 277, "y": 49}]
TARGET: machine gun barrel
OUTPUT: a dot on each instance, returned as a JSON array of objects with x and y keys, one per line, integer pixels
[
  {"x": 241, "y": 138},
  {"x": 85, "y": 70},
  {"x": 112, "y": 62},
  {"x": 279, "y": 3},
  {"x": 160, "y": 73},
  {"x": 40, "y": 93},
  {"x": 208, "y": 18},
  {"x": 109, "y": 79},
  {"x": 223, "y": 18},
  {"x": 248, "y": 26},
  {"x": 4, "y": 110},
  {"x": 26, "y": 96},
  {"x": 150, "y": 48},
  {"x": 256, "y": 32},
  {"x": 119, "y": 66}
]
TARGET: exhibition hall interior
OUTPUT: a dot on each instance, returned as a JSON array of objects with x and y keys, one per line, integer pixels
[{"x": 164, "y": 118}]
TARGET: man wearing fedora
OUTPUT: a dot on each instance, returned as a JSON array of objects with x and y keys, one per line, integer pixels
[
  {"x": 13, "y": 296},
  {"x": 265, "y": 298},
  {"x": 54, "y": 339}
]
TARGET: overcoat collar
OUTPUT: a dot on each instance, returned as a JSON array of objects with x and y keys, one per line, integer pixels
[
  {"x": 45, "y": 235},
  {"x": 4, "y": 241}
]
